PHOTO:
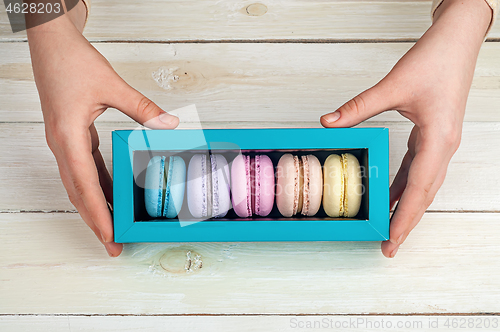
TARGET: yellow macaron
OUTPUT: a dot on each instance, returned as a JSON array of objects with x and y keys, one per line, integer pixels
[{"x": 342, "y": 188}]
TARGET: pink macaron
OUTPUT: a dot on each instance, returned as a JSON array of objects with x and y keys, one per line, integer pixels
[
  {"x": 252, "y": 185},
  {"x": 299, "y": 187}
]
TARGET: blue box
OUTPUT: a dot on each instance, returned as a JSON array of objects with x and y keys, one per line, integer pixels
[{"x": 132, "y": 150}]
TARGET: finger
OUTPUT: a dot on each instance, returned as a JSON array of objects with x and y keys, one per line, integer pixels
[
  {"x": 389, "y": 249},
  {"x": 399, "y": 182},
  {"x": 141, "y": 109},
  {"x": 94, "y": 137},
  {"x": 84, "y": 179},
  {"x": 104, "y": 177},
  {"x": 113, "y": 249},
  {"x": 422, "y": 185},
  {"x": 76, "y": 201},
  {"x": 369, "y": 103},
  {"x": 433, "y": 191}
]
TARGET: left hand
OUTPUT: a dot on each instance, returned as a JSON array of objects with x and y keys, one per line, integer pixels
[{"x": 429, "y": 85}]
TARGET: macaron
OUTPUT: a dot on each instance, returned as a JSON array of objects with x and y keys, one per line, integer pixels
[
  {"x": 343, "y": 187},
  {"x": 164, "y": 186},
  {"x": 208, "y": 186},
  {"x": 176, "y": 184},
  {"x": 252, "y": 185},
  {"x": 299, "y": 186}
]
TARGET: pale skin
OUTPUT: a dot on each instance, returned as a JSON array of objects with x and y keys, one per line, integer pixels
[{"x": 429, "y": 86}]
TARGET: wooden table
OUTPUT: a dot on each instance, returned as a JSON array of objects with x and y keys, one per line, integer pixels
[{"x": 271, "y": 64}]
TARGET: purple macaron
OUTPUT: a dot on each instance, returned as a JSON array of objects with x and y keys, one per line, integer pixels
[{"x": 252, "y": 185}]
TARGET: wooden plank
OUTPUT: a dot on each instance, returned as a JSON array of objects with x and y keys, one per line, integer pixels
[
  {"x": 245, "y": 323},
  {"x": 28, "y": 166},
  {"x": 207, "y": 20},
  {"x": 246, "y": 82},
  {"x": 51, "y": 263}
]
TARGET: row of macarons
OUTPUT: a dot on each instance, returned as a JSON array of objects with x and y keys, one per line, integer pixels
[{"x": 251, "y": 185}]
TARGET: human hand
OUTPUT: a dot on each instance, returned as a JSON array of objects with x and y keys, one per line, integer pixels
[
  {"x": 429, "y": 85},
  {"x": 76, "y": 84}
]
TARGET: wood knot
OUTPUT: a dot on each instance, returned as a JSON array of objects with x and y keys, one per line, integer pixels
[
  {"x": 256, "y": 9},
  {"x": 164, "y": 77},
  {"x": 180, "y": 261}
]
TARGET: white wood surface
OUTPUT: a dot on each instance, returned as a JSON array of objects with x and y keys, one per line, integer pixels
[
  {"x": 246, "y": 323},
  {"x": 56, "y": 276},
  {"x": 51, "y": 263},
  {"x": 159, "y": 20},
  {"x": 241, "y": 82}
]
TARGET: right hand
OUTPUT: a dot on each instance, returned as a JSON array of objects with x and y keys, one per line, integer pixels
[{"x": 76, "y": 84}]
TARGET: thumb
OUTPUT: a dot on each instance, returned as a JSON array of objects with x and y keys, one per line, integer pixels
[
  {"x": 141, "y": 109},
  {"x": 369, "y": 103}
]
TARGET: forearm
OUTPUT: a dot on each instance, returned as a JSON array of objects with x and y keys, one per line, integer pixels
[
  {"x": 455, "y": 37},
  {"x": 76, "y": 17},
  {"x": 469, "y": 19},
  {"x": 55, "y": 45},
  {"x": 493, "y": 4},
  {"x": 46, "y": 42}
]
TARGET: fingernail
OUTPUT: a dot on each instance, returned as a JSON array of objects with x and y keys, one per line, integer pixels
[
  {"x": 104, "y": 239},
  {"x": 166, "y": 118},
  {"x": 109, "y": 252},
  {"x": 393, "y": 252},
  {"x": 332, "y": 117},
  {"x": 400, "y": 239}
]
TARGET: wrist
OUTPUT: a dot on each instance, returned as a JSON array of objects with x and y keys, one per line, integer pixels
[{"x": 475, "y": 12}]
